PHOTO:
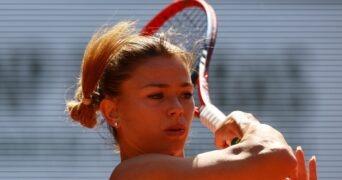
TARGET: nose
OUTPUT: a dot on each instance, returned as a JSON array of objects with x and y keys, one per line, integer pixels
[{"x": 175, "y": 108}]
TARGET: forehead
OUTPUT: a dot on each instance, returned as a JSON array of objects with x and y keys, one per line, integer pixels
[
  {"x": 160, "y": 70},
  {"x": 161, "y": 61}
]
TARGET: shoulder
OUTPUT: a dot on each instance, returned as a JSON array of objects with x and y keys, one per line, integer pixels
[{"x": 153, "y": 166}]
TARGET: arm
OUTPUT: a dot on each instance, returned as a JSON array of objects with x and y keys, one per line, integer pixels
[{"x": 262, "y": 154}]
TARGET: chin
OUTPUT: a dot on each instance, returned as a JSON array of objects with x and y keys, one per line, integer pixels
[
  {"x": 177, "y": 154},
  {"x": 176, "y": 150}
]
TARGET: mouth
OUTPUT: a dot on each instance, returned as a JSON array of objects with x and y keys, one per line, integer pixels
[{"x": 175, "y": 130}]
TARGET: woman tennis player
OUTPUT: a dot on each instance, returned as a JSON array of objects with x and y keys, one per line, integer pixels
[{"x": 142, "y": 87}]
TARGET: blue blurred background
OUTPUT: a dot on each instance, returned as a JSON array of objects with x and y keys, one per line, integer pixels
[{"x": 280, "y": 60}]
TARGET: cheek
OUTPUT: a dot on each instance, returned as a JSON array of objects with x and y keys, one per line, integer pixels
[
  {"x": 138, "y": 113},
  {"x": 189, "y": 109}
]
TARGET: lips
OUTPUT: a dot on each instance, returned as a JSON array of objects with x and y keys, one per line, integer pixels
[{"x": 175, "y": 130}]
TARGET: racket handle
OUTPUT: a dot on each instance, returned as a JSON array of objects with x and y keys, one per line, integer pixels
[{"x": 211, "y": 117}]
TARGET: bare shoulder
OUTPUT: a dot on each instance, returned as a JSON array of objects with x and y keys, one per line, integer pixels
[{"x": 153, "y": 166}]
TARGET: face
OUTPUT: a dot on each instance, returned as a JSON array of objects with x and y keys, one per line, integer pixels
[{"x": 155, "y": 109}]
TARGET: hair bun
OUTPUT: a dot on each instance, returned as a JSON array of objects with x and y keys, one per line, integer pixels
[{"x": 85, "y": 114}]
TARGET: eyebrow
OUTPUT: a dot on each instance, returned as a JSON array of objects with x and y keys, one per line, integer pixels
[{"x": 161, "y": 85}]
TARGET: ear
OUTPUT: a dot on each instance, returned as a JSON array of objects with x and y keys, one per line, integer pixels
[{"x": 108, "y": 108}]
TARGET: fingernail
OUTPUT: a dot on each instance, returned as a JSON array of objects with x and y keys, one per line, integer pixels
[
  {"x": 313, "y": 158},
  {"x": 299, "y": 148}
]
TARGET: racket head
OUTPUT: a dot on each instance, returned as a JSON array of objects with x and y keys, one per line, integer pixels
[{"x": 195, "y": 22}]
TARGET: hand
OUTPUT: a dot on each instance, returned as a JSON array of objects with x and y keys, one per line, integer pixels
[
  {"x": 300, "y": 173},
  {"x": 236, "y": 125}
]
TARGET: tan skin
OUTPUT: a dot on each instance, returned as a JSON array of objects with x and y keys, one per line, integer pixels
[{"x": 153, "y": 116}]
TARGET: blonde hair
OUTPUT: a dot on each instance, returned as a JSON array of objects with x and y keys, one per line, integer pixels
[{"x": 110, "y": 57}]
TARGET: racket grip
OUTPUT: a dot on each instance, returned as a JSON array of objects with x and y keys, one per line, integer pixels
[{"x": 211, "y": 117}]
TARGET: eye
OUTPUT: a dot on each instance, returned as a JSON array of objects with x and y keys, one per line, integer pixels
[
  {"x": 156, "y": 96},
  {"x": 187, "y": 95}
]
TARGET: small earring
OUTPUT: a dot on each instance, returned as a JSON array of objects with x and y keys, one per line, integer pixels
[{"x": 116, "y": 124}]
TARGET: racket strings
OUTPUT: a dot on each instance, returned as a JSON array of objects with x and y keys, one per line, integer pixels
[
  {"x": 195, "y": 19},
  {"x": 188, "y": 29}
]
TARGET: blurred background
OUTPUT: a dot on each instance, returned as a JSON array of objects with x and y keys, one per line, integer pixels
[{"x": 280, "y": 60}]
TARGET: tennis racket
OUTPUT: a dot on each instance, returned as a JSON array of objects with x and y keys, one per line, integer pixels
[{"x": 195, "y": 20}]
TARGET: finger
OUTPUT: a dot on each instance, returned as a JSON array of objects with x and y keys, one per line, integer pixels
[
  {"x": 243, "y": 120},
  {"x": 220, "y": 143},
  {"x": 251, "y": 117},
  {"x": 312, "y": 168},
  {"x": 226, "y": 134},
  {"x": 224, "y": 137},
  {"x": 221, "y": 137},
  {"x": 301, "y": 169},
  {"x": 237, "y": 123},
  {"x": 293, "y": 175}
]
